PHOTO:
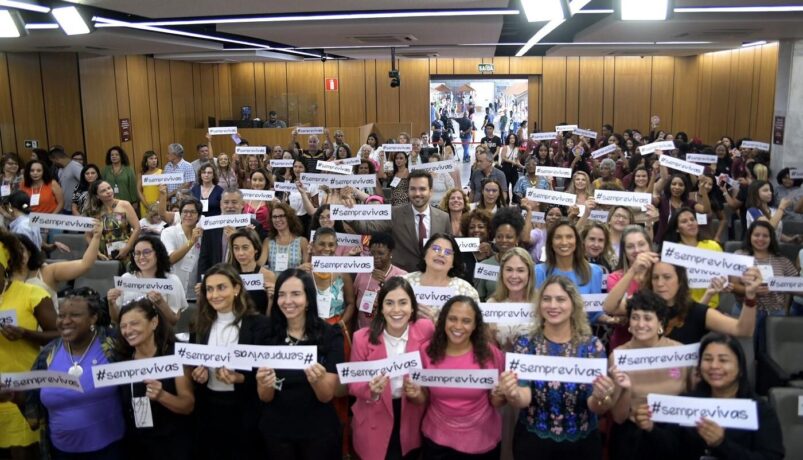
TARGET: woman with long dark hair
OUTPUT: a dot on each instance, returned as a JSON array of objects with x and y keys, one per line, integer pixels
[
  {"x": 244, "y": 250},
  {"x": 45, "y": 192},
  {"x": 119, "y": 174},
  {"x": 298, "y": 420},
  {"x": 80, "y": 196},
  {"x": 144, "y": 333},
  {"x": 723, "y": 368},
  {"x": 383, "y": 401},
  {"x": 227, "y": 408}
]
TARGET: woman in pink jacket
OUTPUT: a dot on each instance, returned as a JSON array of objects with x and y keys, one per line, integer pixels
[{"x": 386, "y": 423}]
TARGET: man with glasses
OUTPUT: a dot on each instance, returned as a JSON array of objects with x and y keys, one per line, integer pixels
[
  {"x": 215, "y": 241},
  {"x": 412, "y": 223},
  {"x": 485, "y": 169}
]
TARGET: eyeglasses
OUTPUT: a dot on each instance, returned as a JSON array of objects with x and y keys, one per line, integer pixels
[
  {"x": 442, "y": 251},
  {"x": 143, "y": 253},
  {"x": 189, "y": 213},
  {"x": 278, "y": 216}
]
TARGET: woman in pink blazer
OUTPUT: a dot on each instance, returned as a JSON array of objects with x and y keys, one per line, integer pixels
[{"x": 386, "y": 423}]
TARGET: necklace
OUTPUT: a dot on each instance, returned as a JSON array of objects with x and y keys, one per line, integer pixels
[
  {"x": 292, "y": 341},
  {"x": 76, "y": 369}
]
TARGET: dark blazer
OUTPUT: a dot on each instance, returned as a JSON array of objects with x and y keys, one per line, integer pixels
[
  {"x": 212, "y": 247},
  {"x": 407, "y": 254}
]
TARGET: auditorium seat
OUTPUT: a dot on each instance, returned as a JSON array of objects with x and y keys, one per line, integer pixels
[
  {"x": 100, "y": 277},
  {"x": 792, "y": 227},
  {"x": 732, "y": 246},
  {"x": 75, "y": 241},
  {"x": 782, "y": 363},
  {"x": 789, "y": 250},
  {"x": 727, "y": 301},
  {"x": 786, "y": 403},
  {"x": 187, "y": 316},
  {"x": 750, "y": 359}
]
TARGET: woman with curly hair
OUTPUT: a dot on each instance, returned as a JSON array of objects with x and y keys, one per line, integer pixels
[
  {"x": 456, "y": 203},
  {"x": 464, "y": 421}
]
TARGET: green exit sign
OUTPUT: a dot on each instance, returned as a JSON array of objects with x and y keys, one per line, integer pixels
[{"x": 485, "y": 68}]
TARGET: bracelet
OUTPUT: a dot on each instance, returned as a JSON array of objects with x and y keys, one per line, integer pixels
[{"x": 751, "y": 303}]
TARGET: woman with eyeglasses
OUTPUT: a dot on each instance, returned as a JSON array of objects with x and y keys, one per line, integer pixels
[
  {"x": 164, "y": 431},
  {"x": 382, "y": 404},
  {"x": 619, "y": 217},
  {"x": 368, "y": 285},
  {"x": 441, "y": 267},
  {"x": 149, "y": 260},
  {"x": 20, "y": 343},
  {"x": 244, "y": 249},
  {"x": 298, "y": 420},
  {"x": 183, "y": 244},
  {"x": 226, "y": 407}
]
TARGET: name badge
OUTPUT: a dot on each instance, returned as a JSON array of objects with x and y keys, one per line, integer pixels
[
  {"x": 367, "y": 301},
  {"x": 116, "y": 189},
  {"x": 143, "y": 415},
  {"x": 766, "y": 272},
  {"x": 35, "y": 199},
  {"x": 324, "y": 304},
  {"x": 5, "y": 190},
  {"x": 395, "y": 181},
  {"x": 205, "y": 205},
  {"x": 282, "y": 261}
]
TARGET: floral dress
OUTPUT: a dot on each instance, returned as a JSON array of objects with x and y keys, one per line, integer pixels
[{"x": 558, "y": 410}]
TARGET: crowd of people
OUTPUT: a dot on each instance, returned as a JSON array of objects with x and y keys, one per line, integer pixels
[{"x": 490, "y": 242}]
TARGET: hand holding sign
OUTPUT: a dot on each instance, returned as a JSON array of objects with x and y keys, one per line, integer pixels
[{"x": 377, "y": 385}]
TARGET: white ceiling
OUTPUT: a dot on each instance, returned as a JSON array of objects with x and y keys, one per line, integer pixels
[{"x": 430, "y": 35}]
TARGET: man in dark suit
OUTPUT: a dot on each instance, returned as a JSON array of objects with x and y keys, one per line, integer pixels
[
  {"x": 214, "y": 243},
  {"x": 411, "y": 224}
]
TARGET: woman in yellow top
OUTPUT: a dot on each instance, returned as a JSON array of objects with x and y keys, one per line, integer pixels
[
  {"x": 148, "y": 195},
  {"x": 24, "y": 310},
  {"x": 684, "y": 229}
]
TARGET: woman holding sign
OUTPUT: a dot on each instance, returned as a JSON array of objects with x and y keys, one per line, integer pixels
[
  {"x": 286, "y": 247},
  {"x": 86, "y": 424},
  {"x": 723, "y": 369},
  {"x": 461, "y": 421},
  {"x": 227, "y": 409},
  {"x": 150, "y": 261},
  {"x": 558, "y": 420},
  {"x": 506, "y": 226},
  {"x": 261, "y": 209},
  {"x": 647, "y": 316},
  {"x": 208, "y": 192},
  {"x": 298, "y": 420},
  {"x": 244, "y": 250},
  {"x": 148, "y": 194},
  {"x": 28, "y": 321},
  {"x": 672, "y": 193},
  {"x": 163, "y": 430},
  {"x": 399, "y": 179},
  {"x": 382, "y": 404}
]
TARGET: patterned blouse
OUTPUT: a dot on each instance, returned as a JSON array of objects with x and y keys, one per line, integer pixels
[{"x": 559, "y": 410}]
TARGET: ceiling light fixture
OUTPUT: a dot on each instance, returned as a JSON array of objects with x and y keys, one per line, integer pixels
[
  {"x": 107, "y": 22},
  {"x": 41, "y": 25},
  {"x": 25, "y": 6},
  {"x": 752, "y": 44},
  {"x": 574, "y": 6},
  {"x": 71, "y": 20},
  {"x": 644, "y": 10},
  {"x": 595, "y": 12},
  {"x": 11, "y": 25},
  {"x": 543, "y": 10},
  {"x": 741, "y": 9},
  {"x": 333, "y": 17}
]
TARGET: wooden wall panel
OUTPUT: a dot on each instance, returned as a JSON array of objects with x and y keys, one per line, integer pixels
[
  {"x": 445, "y": 66},
  {"x": 99, "y": 102},
  {"x": 123, "y": 106},
  {"x": 553, "y": 93},
  {"x": 156, "y": 139},
  {"x": 534, "y": 103},
  {"x": 305, "y": 93},
  {"x": 243, "y": 87},
  {"x": 183, "y": 105},
  {"x": 722, "y": 67},
  {"x": 685, "y": 98},
  {"x": 7, "y": 135},
  {"x": 276, "y": 89},
  {"x": 466, "y": 66},
  {"x": 62, "y": 96},
  {"x": 352, "y": 93},
  {"x": 140, "y": 110},
  {"x": 197, "y": 94},
  {"x": 501, "y": 64},
  {"x": 608, "y": 85},
  {"x": 414, "y": 93},
  {"x": 223, "y": 94},
  {"x": 591, "y": 90},
  {"x": 331, "y": 98},
  {"x": 632, "y": 93},
  {"x": 531, "y": 65},
  {"x": 572, "y": 89},
  {"x": 370, "y": 91},
  {"x": 662, "y": 89},
  {"x": 742, "y": 91},
  {"x": 704, "y": 107},
  {"x": 27, "y": 101},
  {"x": 766, "y": 90},
  {"x": 261, "y": 104},
  {"x": 387, "y": 98},
  {"x": 164, "y": 101}
]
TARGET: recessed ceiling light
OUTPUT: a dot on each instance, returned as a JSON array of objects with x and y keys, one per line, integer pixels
[
  {"x": 574, "y": 7},
  {"x": 11, "y": 25},
  {"x": 543, "y": 10},
  {"x": 41, "y": 25},
  {"x": 741, "y": 9},
  {"x": 644, "y": 10},
  {"x": 25, "y": 6},
  {"x": 756, "y": 43}
]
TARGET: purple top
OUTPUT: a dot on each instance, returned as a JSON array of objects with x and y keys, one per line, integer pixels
[{"x": 83, "y": 422}]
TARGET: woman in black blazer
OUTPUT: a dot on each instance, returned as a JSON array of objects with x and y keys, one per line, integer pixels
[{"x": 226, "y": 400}]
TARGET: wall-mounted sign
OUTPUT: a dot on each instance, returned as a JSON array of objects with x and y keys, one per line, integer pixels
[
  {"x": 125, "y": 130},
  {"x": 483, "y": 68},
  {"x": 331, "y": 84},
  {"x": 777, "y": 130},
  {"x": 31, "y": 144}
]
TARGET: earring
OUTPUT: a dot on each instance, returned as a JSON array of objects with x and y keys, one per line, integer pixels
[
  {"x": 92, "y": 328},
  {"x": 630, "y": 330},
  {"x": 660, "y": 331}
]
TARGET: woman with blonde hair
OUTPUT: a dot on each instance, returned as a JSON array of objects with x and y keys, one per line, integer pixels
[
  {"x": 559, "y": 419},
  {"x": 581, "y": 186}
]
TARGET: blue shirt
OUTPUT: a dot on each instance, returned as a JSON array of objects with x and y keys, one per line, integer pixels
[{"x": 594, "y": 285}]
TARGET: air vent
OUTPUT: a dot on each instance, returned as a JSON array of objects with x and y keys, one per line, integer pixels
[
  {"x": 417, "y": 54},
  {"x": 383, "y": 39},
  {"x": 96, "y": 48},
  {"x": 54, "y": 47},
  {"x": 733, "y": 32}
]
